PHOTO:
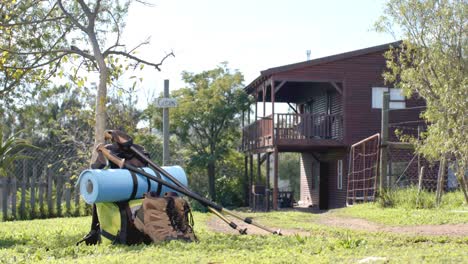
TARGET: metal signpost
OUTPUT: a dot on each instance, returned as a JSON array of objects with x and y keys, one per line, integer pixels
[{"x": 165, "y": 103}]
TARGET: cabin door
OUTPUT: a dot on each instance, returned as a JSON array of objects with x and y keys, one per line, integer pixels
[{"x": 323, "y": 187}]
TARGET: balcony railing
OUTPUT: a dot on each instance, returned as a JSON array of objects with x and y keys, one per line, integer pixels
[{"x": 292, "y": 127}]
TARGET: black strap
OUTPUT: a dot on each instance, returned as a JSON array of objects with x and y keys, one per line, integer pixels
[
  {"x": 122, "y": 235},
  {"x": 135, "y": 185},
  {"x": 95, "y": 219},
  {"x": 107, "y": 235},
  {"x": 149, "y": 185},
  {"x": 159, "y": 189},
  {"x": 93, "y": 237}
]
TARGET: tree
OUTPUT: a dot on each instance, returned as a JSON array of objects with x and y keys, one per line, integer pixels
[
  {"x": 432, "y": 63},
  {"x": 207, "y": 117},
  {"x": 11, "y": 149},
  {"x": 40, "y": 37}
]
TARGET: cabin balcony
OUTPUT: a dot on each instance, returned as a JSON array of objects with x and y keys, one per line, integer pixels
[{"x": 293, "y": 132}]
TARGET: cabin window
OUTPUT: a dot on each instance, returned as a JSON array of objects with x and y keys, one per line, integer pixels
[
  {"x": 397, "y": 99},
  {"x": 339, "y": 174}
]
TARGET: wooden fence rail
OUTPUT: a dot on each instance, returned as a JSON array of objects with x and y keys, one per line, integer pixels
[{"x": 39, "y": 196}]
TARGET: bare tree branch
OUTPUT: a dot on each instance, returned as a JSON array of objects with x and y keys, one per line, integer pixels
[
  {"x": 146, "y": 42},
  {"x": 138, "y": 60},
  {"x": 32, "y": 22},
  {"x": 85, "y": 7},
  {"x": 97, "y": 7},
  {"x": 74, "y": 21}
]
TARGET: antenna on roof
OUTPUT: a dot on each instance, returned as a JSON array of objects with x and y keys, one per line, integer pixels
[{"x": 308, "y": 54}]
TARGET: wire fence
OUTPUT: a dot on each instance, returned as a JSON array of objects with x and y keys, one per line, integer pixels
[
  {"x": 44, "y": 185},
  {"x": 404, "y": 163}
]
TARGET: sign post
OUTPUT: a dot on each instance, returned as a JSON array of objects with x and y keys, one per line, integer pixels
[{"x": 165, "y": 103}]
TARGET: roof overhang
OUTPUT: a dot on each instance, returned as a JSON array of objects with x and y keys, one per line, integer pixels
[{"x": 268, "y": 75}]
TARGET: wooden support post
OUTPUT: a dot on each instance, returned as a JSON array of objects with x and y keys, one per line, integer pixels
[
  {"x": 23, "y": 198},
  {"x": 68, "y": 195},
  {"x": 32, "y": 197},
  {"x": 384, "y": 141},
  {"x": 59, "y": 191},
  {"x": 243, "y": 148},
  {"x": 13, "y": 197},
  {"x": 259, "y": 170},
  {"x": 275, "y": 180},
  {"x": 50, "y": 205},
  {"x": 23, "y": 192},
  {"x": 41, "y": 192},
  {"x": 246, "y": 180},
  {"x": 251, "y": 179},
  {"x": 264, "y": 99},
  {"x": 273, "y": 92},
  {"x": 5, "y": 198},
  {"x": 77, "y": 201},
  {"x": 267, "y": 183}
]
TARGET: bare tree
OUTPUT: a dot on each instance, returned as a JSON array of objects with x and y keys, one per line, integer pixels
[{"x": 42, "y": 39}]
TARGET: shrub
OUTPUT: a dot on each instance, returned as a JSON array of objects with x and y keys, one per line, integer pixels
[{"x": 408, "y": 198}]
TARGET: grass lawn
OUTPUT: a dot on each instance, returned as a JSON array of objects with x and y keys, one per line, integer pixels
[
  {"x": 53, "y": 241},
  {"x": 403, "y": 216},
  {"x": 451, "y": 211}
]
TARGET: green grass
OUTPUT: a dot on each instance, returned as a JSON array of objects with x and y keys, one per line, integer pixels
[
  {"x": 53, "y": 241},
  {"x": 406, "y": 209}
]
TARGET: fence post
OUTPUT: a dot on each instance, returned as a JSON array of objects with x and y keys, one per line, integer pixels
[
  {"x": 41, "y": 184},
  {"x": 420, "y": 180},
  {"x": 13, "y": 197},
  {"x": 77, "y": 201},
  {"x": 33, "y": 192},
  {"x": 440, "y": 181},
  {"x": 5, "y": 198},
  {"x": 68, "y": 195},
  {"x": 23, "y": 193},
  {"x": 59, "y": 189},
  {"x": 50, "y": 205},
  {"x": 384, "y": 140},
  {"x": 23, "y": 199}
]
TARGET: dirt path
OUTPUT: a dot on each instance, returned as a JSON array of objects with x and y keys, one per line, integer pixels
[
  {"x": 217, "y": 225},
  {"x": 461, "y": 230},
  {"x": 364, "y": 225}
]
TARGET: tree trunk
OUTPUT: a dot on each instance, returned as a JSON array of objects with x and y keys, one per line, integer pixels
[
  {"x": 211, "y": 180},
  {"x": 101, "y": 95},
  {"x": 462, "y": 180}
]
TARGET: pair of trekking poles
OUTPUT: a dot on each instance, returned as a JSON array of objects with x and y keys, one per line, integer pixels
[{"x": 214, "y": 208}]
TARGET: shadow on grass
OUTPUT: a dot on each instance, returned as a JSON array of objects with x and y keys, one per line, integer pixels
[{"x": 7, "y": 243}]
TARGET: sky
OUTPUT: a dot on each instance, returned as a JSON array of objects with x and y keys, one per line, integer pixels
[{"x": 250, "y": 35}]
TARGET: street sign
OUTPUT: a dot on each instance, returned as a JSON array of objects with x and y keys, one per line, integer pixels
[{"x": 166, "y": 102}]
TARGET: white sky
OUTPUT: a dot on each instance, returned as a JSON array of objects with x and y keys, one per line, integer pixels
[{"x": 250, "y": 35}]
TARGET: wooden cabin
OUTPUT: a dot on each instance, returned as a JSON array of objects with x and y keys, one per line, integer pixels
[{"x": 332, "y": 102}]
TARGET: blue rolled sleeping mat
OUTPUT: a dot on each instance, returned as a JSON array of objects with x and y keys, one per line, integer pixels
[{"x": 114, "y": 185}]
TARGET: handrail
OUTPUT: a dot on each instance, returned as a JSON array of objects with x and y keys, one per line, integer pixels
[{"x": 292, "y": 127}]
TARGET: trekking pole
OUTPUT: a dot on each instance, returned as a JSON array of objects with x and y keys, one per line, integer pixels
[
  {"x": 227, "y": 221},
  {"x": 126, "y": 141},
  {"x": 209, "y": 204},
  {"x": 247, "y": 220}
]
